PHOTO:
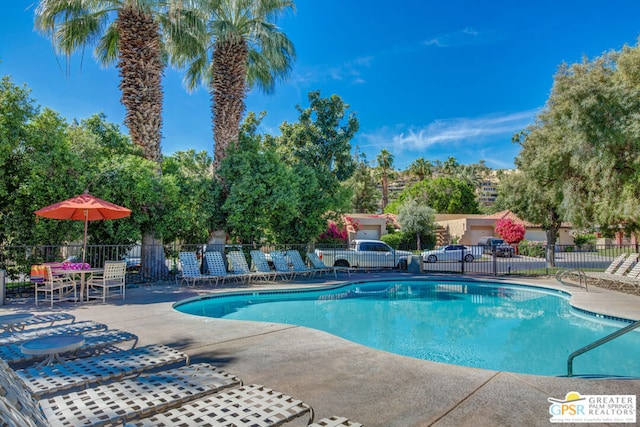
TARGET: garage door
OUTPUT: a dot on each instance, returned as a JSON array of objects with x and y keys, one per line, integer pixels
[{"x": 365, "y": 232}]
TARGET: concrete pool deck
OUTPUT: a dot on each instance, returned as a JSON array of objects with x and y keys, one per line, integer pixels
[{"x": 338, "y": 377}]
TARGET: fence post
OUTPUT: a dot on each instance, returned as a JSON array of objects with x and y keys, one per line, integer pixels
[
  {"x": 3, "y": 275},
  {"x": 494, "y": 256}
]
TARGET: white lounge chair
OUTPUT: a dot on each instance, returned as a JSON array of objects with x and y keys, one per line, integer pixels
[
  {"x": 95, "y": 342},
  {"x": 58, "y": 377},
  {"x": 298, "y": 265},
  {"x": 282, "y": 266},
  {"x": 33, "y": 320},
  {"x": 261, "y": 264},
  {"x": 321, "y": 267},
  {"x": 51, "y": 286},
  {"x": 68, "y": 329},
  {"x": 335, "y": 422},
  {"x": 215, "y": 264},
  {"x": 250, "y": 405},
  {"x": 113, "y": 403},
  {"x": 113, "y": 277},
  {"x": 240, "y": 266},
  {"x": 190, "y": 273},
  {"x": 607, "y": 275},
  {"x": 626, "y": 282}
]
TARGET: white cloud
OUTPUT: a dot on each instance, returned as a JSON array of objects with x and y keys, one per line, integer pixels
[
  {"x": 458, "y": 130},
  {"x": 464, "y": 37},
  {"x": 349, "y": 72}
]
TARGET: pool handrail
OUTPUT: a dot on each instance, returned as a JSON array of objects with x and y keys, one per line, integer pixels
[{"x": 598, "y": 343}]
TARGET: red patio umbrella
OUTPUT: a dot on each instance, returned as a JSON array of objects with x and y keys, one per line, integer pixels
[{"x": 84, "y": 207}]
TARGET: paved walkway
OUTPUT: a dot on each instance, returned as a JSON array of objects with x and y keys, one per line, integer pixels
[{"x": 338, "y": 377}]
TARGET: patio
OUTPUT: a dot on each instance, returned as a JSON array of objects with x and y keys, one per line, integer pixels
[{"x": 337, "y": 377}]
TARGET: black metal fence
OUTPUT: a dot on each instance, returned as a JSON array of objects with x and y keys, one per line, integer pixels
[
  {"x": 531, "y": 260},
  {"x": 526, "y": 260}
]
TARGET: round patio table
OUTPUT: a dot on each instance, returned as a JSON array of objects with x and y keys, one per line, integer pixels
[
  {"x": 11, "y": 322},
  {"x": 52, "y": 346}
]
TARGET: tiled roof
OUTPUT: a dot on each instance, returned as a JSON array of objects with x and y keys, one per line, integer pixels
[{"x": 516, "y": 219}]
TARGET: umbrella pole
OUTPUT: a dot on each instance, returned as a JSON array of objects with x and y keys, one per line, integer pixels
[{"x": 84, "y": 242}]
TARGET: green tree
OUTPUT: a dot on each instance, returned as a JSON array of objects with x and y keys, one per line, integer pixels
[
  {"x": 363, "y": 185},
  {"x": 16, "y": 111},
  {"x": 234, "y": 46},
  {"x": 535, "y": 191},
  {"x": 320, "y": 142},
  {"x": 450, "y": 167},
  {"x": 51, "y": 171},
  {"x": 585, "y": 142},
  {"x": 443, "y": 194},
  {"x": 416, "y": 219},
  {"x": 133, "y": 39},
  {"x": 385, "y": 167},
  {"x": 262, "y": 192},
  {"x": 597, "y": 102},
  {"x": 197, "y": 196}
]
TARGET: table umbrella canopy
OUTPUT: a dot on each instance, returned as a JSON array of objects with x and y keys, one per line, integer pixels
[{"x": 84, "y": 207}]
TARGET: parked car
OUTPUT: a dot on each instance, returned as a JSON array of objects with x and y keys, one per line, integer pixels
[
  {"x": 491, "y": 244},
  {"x": 132, "y": 263},
  {"x": 365, "y": 254},
  {"x": 449, "y": 253}
]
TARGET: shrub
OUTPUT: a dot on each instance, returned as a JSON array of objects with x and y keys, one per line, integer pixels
[
  {"x": 333, "y": 235},
  {"x": 399, "y": 240},
  {"x": 583, "y": 239},
  {"x": 532, "y": 249}
]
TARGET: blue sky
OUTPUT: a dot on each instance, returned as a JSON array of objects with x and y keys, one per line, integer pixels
[{"x": 425, "y": 78}]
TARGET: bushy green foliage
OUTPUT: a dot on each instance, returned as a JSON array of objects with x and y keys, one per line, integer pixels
[
  {"x": 583, "y": 239},
  {"x": 416, "y": 219},
  {"x": 400, "y": 240},
  {"x": 443, "y": 194},
  {"x": 532, "y": 249}
]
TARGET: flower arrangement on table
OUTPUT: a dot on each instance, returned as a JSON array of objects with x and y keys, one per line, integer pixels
[{"x": 75, "y": 266}]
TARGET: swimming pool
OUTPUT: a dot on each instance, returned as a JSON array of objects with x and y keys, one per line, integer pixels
[{"x": 487, "y": 325}]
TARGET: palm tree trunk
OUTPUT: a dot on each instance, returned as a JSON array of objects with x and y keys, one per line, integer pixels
[
  {"x": 228, "y": 92},
  {"x": 141, "y": 69}
]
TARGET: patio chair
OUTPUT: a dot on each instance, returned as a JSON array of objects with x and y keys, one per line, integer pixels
[
  {"x": 64, "y": 285},
  {"x": 261, "y": 264},
  {"x": 282, "y": 266},
  {"x": 191, "y": 270},
  {"x": 253, "y": 405},
  {"x": 57, "y": 377},
  {"x": 117, "y": 402},
  {"x": 95, "y": 342},
  {"x": 216, "y": 266},
  {"x": 68, "y": 329},
  {"x": 298, "y": 265},
  {"x": 321, "y": 267},
  {"x": 240, "y": 266},
  {"x": 113, "y": 277}
]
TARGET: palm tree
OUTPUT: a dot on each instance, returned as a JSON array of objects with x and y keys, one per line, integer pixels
[
  {"x": 450, "y": 167},
  {"x": 420, "y": 168},
  {"x": 127, "y": 32},
  {"x": 385, "y": 163},
  {"x": 234, "y": 45}
]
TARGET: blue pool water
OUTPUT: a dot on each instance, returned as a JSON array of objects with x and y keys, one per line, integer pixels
[{"x": 471, "y": 323}]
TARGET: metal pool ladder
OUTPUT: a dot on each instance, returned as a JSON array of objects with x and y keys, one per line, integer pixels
[
  {"x": 582, "y": 277},
  {"x": 597, "y": 343}
]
